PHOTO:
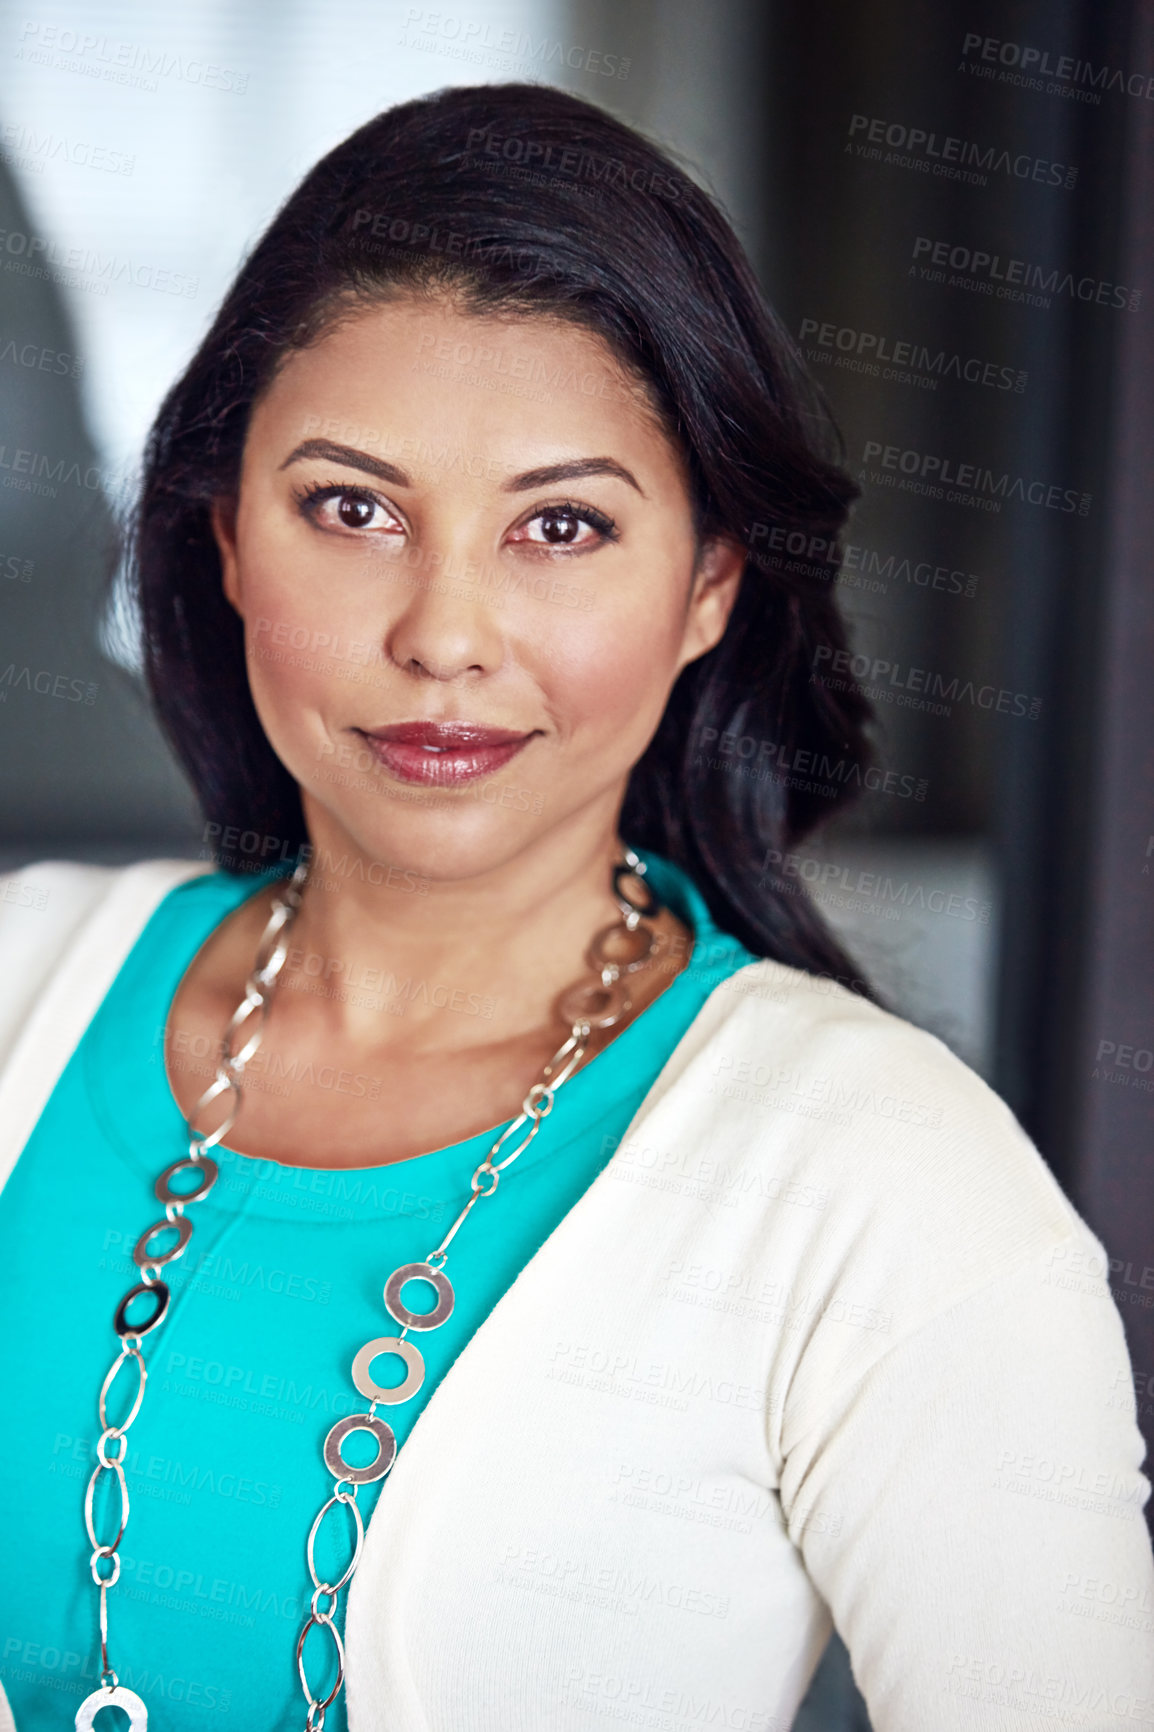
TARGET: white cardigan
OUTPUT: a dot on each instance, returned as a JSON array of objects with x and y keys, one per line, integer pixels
[{"x": 824, "y": 1336}]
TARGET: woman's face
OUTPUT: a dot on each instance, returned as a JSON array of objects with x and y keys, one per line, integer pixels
[{"x": 464, "y": 557}]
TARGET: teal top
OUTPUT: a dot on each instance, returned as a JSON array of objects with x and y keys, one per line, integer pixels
[{"x": 279, "y": 1288}]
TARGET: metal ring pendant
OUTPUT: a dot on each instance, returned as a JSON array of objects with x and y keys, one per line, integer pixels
[
  {"x": 183, "y": 1229},
  {"x": 640, "y": 943},
  {"x": 206, "y": 1167},
  {"x": 159, "y": 1291},
  {"x": 118, "y": 1697},
  {"x": 652, "y": 903},
  {"x": 348, "y": 1499},
  {"x": 594, "y": 1006},
  {"x": 107, "y": 1547},
  {"x": 322, "y": 1621},
  {"x": 110, "y": 1379},
  {"x": 386, "y": 1448},
  {"x": 414, "y": 1364},
  {"x": 419, "y": 1319}
]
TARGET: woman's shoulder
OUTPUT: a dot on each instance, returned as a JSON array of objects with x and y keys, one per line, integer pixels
[
  {"x": 62, "y": 917},
  {"x": 872, "y": 1114},
  {"x": 766, "y": 1013},
  {"x": 861, "y": 1180},
  {"x": 66, "y": 895}
]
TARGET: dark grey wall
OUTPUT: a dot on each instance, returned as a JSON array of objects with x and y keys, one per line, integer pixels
[{"x": 82, "y": 769}]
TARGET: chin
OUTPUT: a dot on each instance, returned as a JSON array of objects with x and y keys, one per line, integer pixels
[{"x": 437, "y": 839}]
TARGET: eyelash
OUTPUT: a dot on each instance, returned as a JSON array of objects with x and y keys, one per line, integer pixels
[
  {"x": 310, "y": 497},
  {"x": 589, "y": 514}
]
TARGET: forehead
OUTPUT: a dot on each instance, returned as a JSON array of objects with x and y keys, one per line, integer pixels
[{"x": 491, "y": 387}]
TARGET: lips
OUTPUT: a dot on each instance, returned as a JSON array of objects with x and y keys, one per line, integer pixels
[{"x": 443, "y": 754}]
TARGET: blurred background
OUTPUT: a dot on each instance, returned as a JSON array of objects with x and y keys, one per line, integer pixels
[{"x": 951, "y": 208}]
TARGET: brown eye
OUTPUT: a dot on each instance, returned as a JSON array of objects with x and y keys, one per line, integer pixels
[
  {"x": 558, "y": 526},
  {"x": 335, "y": 507},
  {"x": 355, "y": 513},
  {"x": 579, "y": 528}
]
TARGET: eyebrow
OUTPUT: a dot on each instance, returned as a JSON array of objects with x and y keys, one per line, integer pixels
[
  {"x": 533, "y": 478},
  {"x": 329, "y": 452},
  {"x": 351, "y": 458}
]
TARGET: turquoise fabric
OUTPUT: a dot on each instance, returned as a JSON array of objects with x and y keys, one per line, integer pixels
[{"x": 280, "y": 1286}]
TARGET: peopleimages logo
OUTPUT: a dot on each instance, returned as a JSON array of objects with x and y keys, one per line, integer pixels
[
  {"x": 21, "y": 144},
  {"x": 36, "y": 356},
  {"x": 487, "y": 148},
  {"x": 903, "y": 360},
  {"x": 1038, "y": 64},
  {"x": 474, "y": 40},
  {"x": 953, "y": 158},
  {"x": 888, "y": 681},
  {"x": 74, "y": 264},
  {"x": 831, "y": 884},
  {"x": 36, "y": 472},
  {"x": 858, "y": 567},
  {"x": 939, "y": 477},
  {"x": 48, "y": 684},
  {"x": 135, "y": 63},
  {"x": 768, "y": 761},
  {"x": 1016, "y": 279}
]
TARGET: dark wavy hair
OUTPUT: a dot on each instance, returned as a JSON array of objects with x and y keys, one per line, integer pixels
[{"x": 522, "y": 199}]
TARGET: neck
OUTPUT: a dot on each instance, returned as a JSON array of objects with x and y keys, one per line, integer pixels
[{"x": 497, "y": 947}]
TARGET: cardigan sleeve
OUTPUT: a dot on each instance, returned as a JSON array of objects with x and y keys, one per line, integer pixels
[
  {"x": 65, "y": 929},
  {"x": 42, "y": 908},
  {"x": 971, "y": 1510}
]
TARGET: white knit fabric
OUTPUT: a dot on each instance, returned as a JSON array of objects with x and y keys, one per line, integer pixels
[{"x": 824, "y": 1337}]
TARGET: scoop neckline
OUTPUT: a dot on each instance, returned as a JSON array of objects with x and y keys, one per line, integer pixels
[{"x": 676, "y": 890}]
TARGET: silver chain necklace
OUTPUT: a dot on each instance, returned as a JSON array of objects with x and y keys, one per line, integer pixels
[{"x": 599, "y": 1002}]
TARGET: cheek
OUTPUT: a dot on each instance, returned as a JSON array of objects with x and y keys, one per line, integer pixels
[
  {"x": 613, "y": 670},
  {"x": 298, "y": 643}
]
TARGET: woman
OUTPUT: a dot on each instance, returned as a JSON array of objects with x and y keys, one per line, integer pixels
[{"x": 449, "y": 572}]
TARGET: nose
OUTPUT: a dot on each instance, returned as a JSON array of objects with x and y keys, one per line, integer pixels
[{"x": 446, "y": 628}]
